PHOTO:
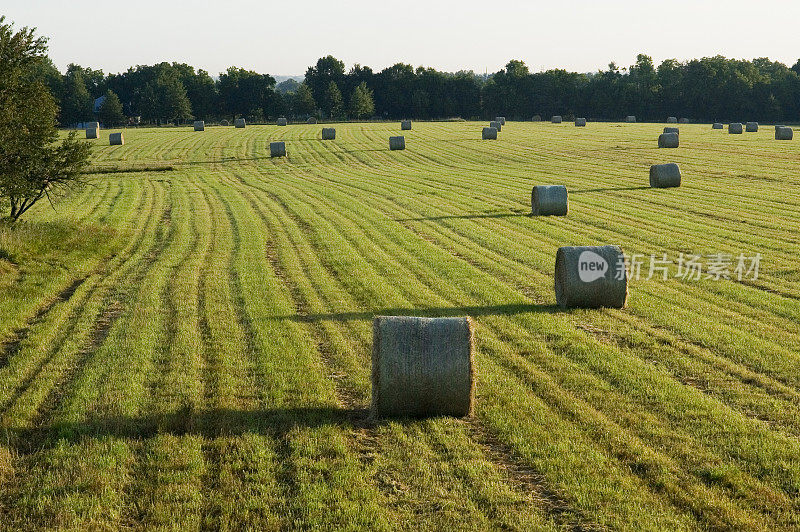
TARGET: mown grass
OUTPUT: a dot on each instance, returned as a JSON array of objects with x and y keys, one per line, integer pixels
[{"x": 189, "y": 349}]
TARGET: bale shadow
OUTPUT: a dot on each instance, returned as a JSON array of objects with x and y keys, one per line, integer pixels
[
  {"x": 608, "y": 189},
  {"x": 465, "y": 216},
  {"x": 431, "y": 312}
]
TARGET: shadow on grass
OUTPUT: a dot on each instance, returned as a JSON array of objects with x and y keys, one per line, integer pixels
[
  {"x": 430, "y": 312},
  {"x": 607, "y": 189},
  {"x": 466, "y": 216},
  {"x": 275, "y": 422}
]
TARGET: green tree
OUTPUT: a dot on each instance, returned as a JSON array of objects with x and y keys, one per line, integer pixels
[
  {"x": 111, "y": 113},
  {"x": 333, "y": 101},
  {"x": 362, "y": 104},
  {"x": 174, "y": 102},
  {"x": 76, "y": 102},
  {"x": 319, "y": 76},
  {"x": 33, "y": 164},
  {"x": 304, "y": 103}
]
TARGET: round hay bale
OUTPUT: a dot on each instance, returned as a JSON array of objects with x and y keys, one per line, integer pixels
[
  {"x": 311, "y": 120},
  {"x": 591, "y": 277},
  {"x": 536, "y": 118},
  {"x": 240, "y": 123},
  {"x": 751, "y": 127},
  {"x": 580, "y": 122},
  {"x": 282, "y": 121},
  {"x": 672, "y": 130},
  {"x": 277, "y": 149},
  {"x": 717, "y": 125},
  {"x": 668, "y": 140},
  {"x": 92, "y": 133},
  {"x": 497, "y": 125},
  {"x": 630, "y": 118},
  {"x": 422, "y": 367},
  {"x": 224, "y": 123},
  {"x": 665, "y": 175},
  {"x": 116, "y": 139},
  {"x": 489, "y": 133},
  {"x": 735, "y": 128},
  {"x": 501, "y": 119},
  {"x": 199, "y": 125},
  {"x": 397, "y": 143},
  {"x": 328, "y": 133},
  {"x": 405, "y": 125},
  {"x": 672, "y": 120},
  {"x": 549, "y": 200},
  {"x": 556, "y": 119},
  {"x": 684, "y": 120},
  {"x": 784, "y": 133}
]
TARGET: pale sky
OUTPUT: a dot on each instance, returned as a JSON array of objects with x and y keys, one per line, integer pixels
[{"x": 284, "y": 38}]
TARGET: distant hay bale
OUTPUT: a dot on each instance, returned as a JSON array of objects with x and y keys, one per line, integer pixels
[
  {"x": 556, "y": 119},
  {"x": 328, "y": 133},
  {"x": 489, "y": 133},
  {"x": 672, "y": 120},
  {"x": 784, "y": 133},
  {"x": 668, "y": 140},
  {"x": 735, "y": 128},
  {"x": 536, "y": 118},
  {"x": 422, "y": 367},
  {"x": 672, "y": 130},
  {"x": 591, "y": 277},
  {"x": 240, "y": 123},
  {"x": 92, "y": 133},
  {"x": 549, "y": 200},
  {"x": 224, "y": 123},
  {"x": 580, "y": 122},
  {"x": 497, "y": 125},
  {"x": 405, "y": 125},
  {"x": 282, "y": 122},
  {"x": 717, "y": 125},
  {"x": 630, "y": 118},
  {"x": 116, "y": 139},
  {"x": 199, "y": 125},
  {"x": 311, "y": 120},
  {"x": 501, "y": 119},
  {"x": 751, "y": 127},
  {"x": 684, "y": 120},
  {"x": 397, "y": 143},
  {"x": 277, "y": 149},
  {"x": 665, "y": 175}
]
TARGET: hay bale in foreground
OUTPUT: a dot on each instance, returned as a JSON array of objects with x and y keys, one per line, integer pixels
[
  {"x": 751, "y": 127},
  {"x": 549, "y": 200},
  {"x": 277, "y": 149},
  {"x": 199, "y": 125},
  {"x": 405, "y": 125},
  {"x": 735, "y": 128},
  {"x": 501, "y": 119},
  {"x": 240, "y": 123},
  {"x": 282, "y": 122},
  {"x": 397, "y": 143},
  {"x": 672, "y": 130},
  {"x": 311, "y": 120},
  {"x": 489, "y": 133},
  {"x": 665, "y": 175},
  {"x": 497, "y": 125},
  {"x": 556, "y": 119},
  {"x": 668, "y": 140},
  {"x": 580, "y": 122},
  {"x": 784, "y": 133},
  {"x": 672, "y": 120},
  {"x": 116, "y": 139},
  {"x": 422, "y": 367},
  {"x": 536, "y": 118},
  {"x": 92, "y": 133},
  {"x": 630, "y": 118},
  {"x": 328, "y": 133},
  {"x": 717, "y": 125},
  {"x": 684, "y": 121},
  {"x": 591, "y": 277}
]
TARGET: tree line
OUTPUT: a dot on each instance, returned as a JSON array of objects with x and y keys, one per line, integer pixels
[{"x": 711, "y": 88}]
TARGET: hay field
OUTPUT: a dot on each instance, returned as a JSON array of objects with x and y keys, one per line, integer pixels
[{"x": 186, "y": 343}]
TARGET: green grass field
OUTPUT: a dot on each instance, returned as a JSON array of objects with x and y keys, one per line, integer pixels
[{"x": 186, "y": 342}]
